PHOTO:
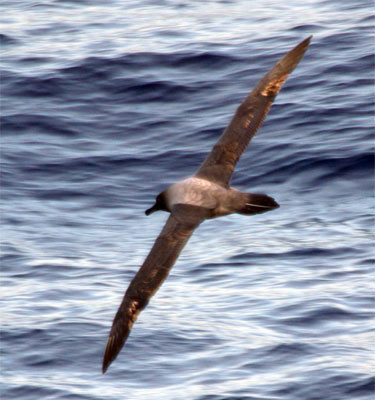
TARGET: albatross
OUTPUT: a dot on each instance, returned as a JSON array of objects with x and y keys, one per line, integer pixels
[{"x": 205, "y": 195}]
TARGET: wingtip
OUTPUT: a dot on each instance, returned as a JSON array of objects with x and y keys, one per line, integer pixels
[
  {"x": 270, "y": 85},
  {"x": 304, "y": 45},
  {"x": 305, "y": 42},
  {"x": 109, "y": 355},
  {"x": 107, "y": 361},
  {"x": 300, "y": 49},
  {"x": 106, "y": 364}
]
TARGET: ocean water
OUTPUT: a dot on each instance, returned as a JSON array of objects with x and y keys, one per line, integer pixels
[{"x": 104, "y": 104}]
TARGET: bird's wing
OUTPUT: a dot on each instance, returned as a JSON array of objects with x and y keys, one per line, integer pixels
[
  {"x": 219, "y": 164},
  {"x": 176, "y": 232}
]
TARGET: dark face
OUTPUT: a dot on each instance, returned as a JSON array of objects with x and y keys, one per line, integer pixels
[{"x": 159, "y": 205}]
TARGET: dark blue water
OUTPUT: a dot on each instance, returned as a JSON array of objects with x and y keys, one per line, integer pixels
[{"x": 106, "y": 103}]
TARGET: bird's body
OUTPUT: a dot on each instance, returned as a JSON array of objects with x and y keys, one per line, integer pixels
[
  {"x": 216, "y": 199},
  {"x": 197, "y": 192},
  {"x": 205, "y": 195}
]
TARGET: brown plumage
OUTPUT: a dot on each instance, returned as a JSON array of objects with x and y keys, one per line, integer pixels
[
  {"x": 219, "y": 165},
  {"x": 206, "y": 195},
  {"x": 151, "y": 275}
]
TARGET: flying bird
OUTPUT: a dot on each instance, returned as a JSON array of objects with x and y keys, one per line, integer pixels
[{"x": 207, "y": 194}]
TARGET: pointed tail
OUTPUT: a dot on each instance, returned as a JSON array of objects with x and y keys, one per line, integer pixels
[{"x": 257, "y": 204}]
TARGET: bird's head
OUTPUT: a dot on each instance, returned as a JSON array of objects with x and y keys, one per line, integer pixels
[{"x": 160, "y": 204}]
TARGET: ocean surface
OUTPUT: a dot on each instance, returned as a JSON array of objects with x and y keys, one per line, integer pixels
[{"x": 104, "y": 104}]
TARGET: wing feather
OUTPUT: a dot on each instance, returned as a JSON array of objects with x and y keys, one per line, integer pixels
[
  {"x": 219, "y": 165},
  {"x": 147, "y": 281}
]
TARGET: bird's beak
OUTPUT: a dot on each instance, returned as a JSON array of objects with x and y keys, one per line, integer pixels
[{"x": 154, "y": 208}]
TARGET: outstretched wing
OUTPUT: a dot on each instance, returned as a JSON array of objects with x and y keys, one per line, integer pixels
[
  {"x": 175, "y": 234},
  {"x": 219, "y": 165}
]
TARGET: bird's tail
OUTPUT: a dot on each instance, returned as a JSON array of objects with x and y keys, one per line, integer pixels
[{"x": 256, "y": 204}]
